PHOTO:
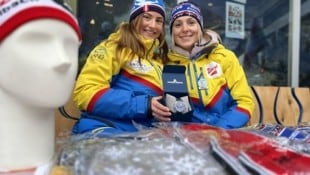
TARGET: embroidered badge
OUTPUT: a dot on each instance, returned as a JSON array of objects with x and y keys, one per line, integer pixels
[
  {"x": 139, "y": 67},
  {"x": 214, "y": 70},
  {"x": 99, "y": 53}
]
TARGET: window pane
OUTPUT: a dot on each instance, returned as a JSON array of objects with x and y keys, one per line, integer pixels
[
  {"x": 262, "y": 49},
  {"x": 304, "y": 69},
  {"x": 98, "y": 18}
]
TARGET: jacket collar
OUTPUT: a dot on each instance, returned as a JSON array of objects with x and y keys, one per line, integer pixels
[{"x": 199, "y": 49}]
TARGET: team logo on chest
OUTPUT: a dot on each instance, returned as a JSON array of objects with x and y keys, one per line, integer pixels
[
  {"x": 140, "y": 66},
  {"x": 213, "y": 70}
]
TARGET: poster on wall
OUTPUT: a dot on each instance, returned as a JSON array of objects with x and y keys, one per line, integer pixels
[
  {"x": 241, "y": 1},
  {"x": 234, "y": 27}
]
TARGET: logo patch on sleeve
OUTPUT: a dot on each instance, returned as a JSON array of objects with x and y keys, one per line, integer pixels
[{"x": 99, "y": 53}]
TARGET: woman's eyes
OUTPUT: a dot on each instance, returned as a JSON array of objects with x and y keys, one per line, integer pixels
[
  {"x": 192, "y": 22},
  {"x": 189, "y": 23},
  {"x": 160, "y": 20},
  {"x": 148, "y": 17}
]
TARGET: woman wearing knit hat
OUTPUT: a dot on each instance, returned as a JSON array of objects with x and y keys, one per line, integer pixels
[
  {"x": 217, "y": 84},
  {"x": 39, "y": 43},
  {"x": 120, "y": 84}
]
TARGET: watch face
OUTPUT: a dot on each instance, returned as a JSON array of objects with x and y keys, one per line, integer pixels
[{"x": 180, "y": 106}]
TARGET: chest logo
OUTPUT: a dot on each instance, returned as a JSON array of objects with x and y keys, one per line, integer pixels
[
  {"x": 214, "y": 70},
  {"x": 140, "y": 67}
]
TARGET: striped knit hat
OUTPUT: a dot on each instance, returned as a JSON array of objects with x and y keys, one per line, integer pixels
[
  {"x": 141, "y": 6},
  {"x": 14, "y": 13},
  {"x": 186, "y": 9}
]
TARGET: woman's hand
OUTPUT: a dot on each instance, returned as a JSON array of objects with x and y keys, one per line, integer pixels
[{"x": 159, "y": 111}]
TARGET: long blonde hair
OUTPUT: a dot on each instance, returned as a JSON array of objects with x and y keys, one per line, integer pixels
[{"x": 129, "y": 40}]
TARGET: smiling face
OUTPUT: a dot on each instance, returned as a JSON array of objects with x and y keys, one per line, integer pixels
[
  {"x": 150, "y": 25},
  {"x": 185, "y": 32},
  {"x": 38, "y": 63}
]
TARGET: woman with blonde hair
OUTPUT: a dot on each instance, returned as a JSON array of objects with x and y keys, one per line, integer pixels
[
  {"x": 216, "y": 82},
  {"x": 120, "y": 83}
]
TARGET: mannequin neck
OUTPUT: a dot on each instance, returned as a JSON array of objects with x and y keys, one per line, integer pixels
[{"x": 26, "y": 132}]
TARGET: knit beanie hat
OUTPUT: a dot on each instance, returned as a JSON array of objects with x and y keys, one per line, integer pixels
[
  {"x": 141, "y": 6},
  {"x": 186, "y": 9},
  {"x": 14, "y": 13}
]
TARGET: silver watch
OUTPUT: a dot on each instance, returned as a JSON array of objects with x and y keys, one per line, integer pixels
[{"x": 180, "y": 106}]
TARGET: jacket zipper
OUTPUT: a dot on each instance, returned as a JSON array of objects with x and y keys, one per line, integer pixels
[{"x": 196, "y": 81}]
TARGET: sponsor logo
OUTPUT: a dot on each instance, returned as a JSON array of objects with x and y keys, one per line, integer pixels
[
  {"x": 174, "y": 81},
  {"x": 139, "y": 66},
  {"x": 214, "y": 70},
  {"x": 13, "y": 4}
]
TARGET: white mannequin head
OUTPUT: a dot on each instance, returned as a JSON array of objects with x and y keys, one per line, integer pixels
[
  {"x": 42, "y": 57},
  {"x": 39, "y": 43},
  {"x": 38, "y": 66}
]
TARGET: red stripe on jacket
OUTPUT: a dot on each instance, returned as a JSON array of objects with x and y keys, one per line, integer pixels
[
  {"x": 142, "y": 81},
  {"x": 95, "y": 98},
  {"x": 216, "y": 97}
]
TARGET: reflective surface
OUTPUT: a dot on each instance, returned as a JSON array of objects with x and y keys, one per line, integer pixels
[
  {"x": 304, "y": 74},
  {"x": 262, "y": 49}
]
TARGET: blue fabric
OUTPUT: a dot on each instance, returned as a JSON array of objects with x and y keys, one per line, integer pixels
[
  {"x": 141, "y": 6},
  {"x": 88, "y": 123},
  {"x": 186, "y": 9}
]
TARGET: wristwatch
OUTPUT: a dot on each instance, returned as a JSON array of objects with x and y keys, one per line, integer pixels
[{"x": 180, "y": 106}]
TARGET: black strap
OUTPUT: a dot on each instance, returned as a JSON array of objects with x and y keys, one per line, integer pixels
[
  {"x": 64, "y": 113},
  {"x": 107, "y": 122}
]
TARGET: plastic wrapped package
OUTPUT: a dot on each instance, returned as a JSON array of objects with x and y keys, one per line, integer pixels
[
  {"x": 188, "y": 148},
  {"x": 246, "y": 151},
  {"x": 149, "y": 152},
  {"x": 294, "y": 137}
]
